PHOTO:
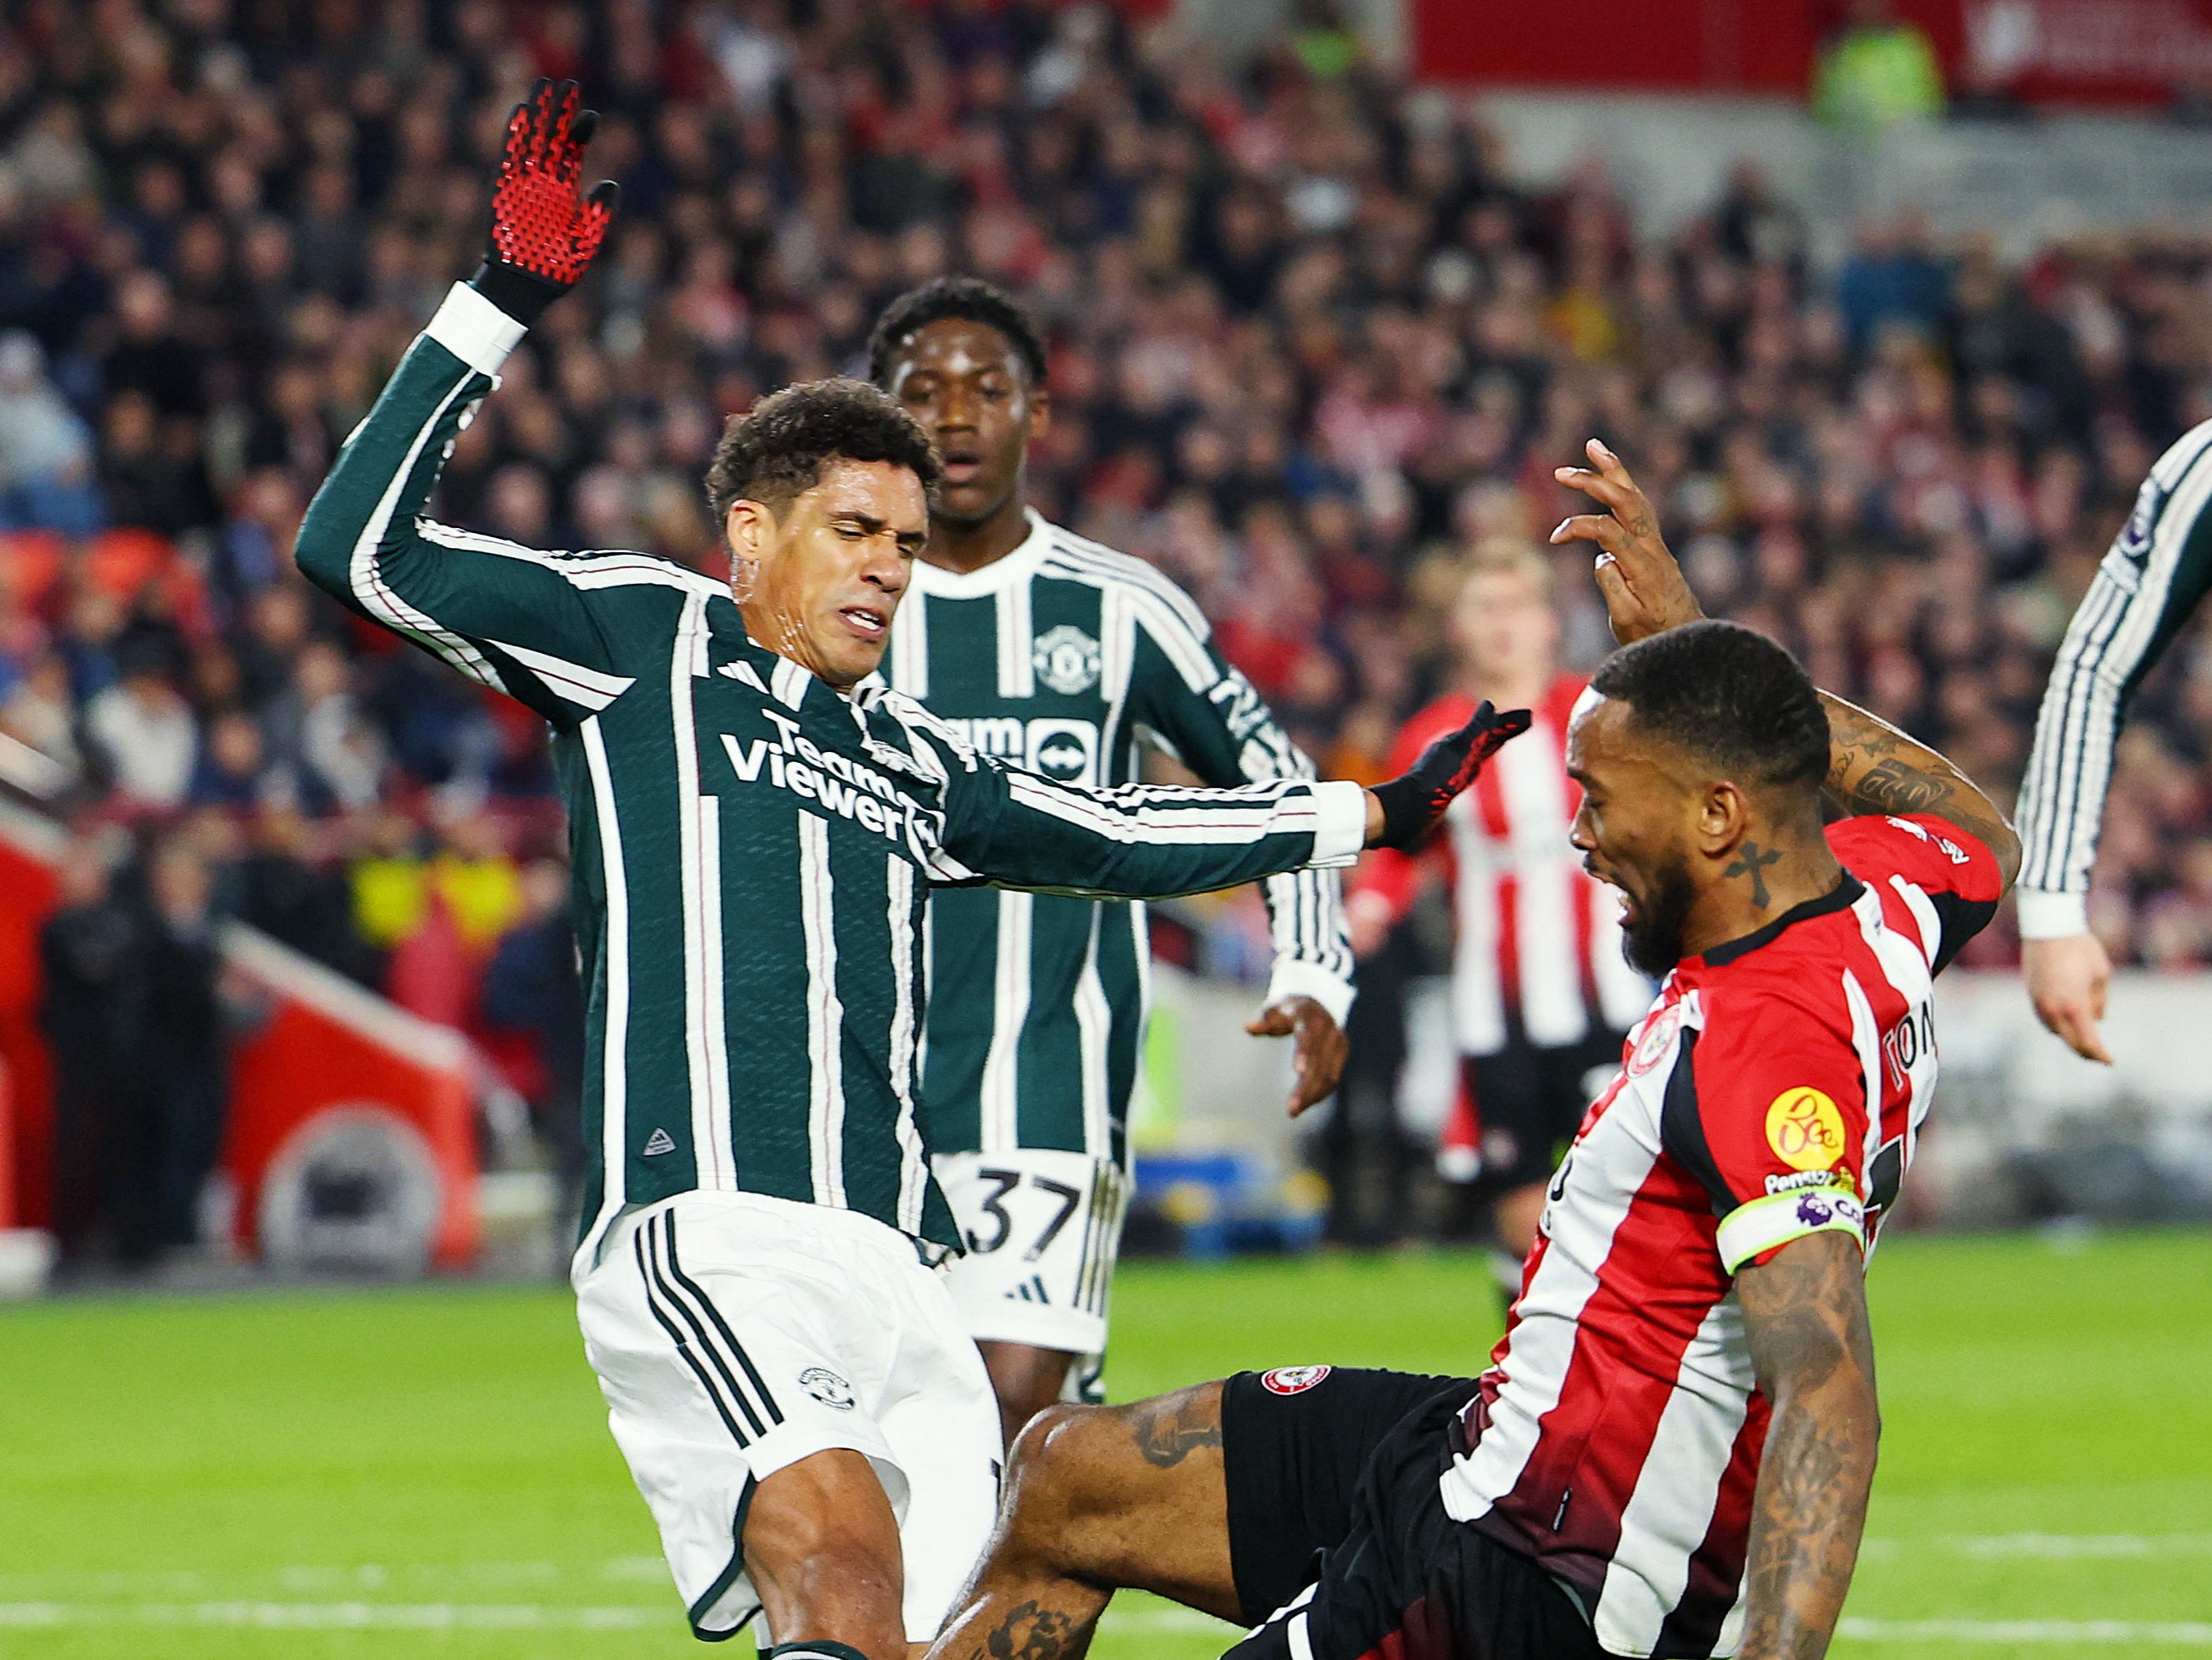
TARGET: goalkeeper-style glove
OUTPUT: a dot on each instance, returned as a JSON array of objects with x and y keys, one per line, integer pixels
[
  {"x": 543, "y": 234},
  {"x": 1413, "y": 803}
]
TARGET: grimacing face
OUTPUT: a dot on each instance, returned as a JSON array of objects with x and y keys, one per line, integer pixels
[
  {"x": 1635, "y": 828},
  {"x": 827, "y": 574},
  {"x": 966, "y": 385}
]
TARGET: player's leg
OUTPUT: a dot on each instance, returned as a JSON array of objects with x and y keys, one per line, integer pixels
[
  {"x": 822, "y": 1550},
  {"x": 1217, "y": 1497},
  {"x": 1026, "y": 1379},
  {"x": 747, "y": 1349},
  {"x": 1563, "y": 1082},
  {"x": 1042, "y": 1228},
  {"x": 1507, "y": 1089}
]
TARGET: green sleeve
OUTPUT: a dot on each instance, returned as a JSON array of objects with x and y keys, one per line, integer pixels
[
  {"x": 1018, "y": 829},
  {"x": 505, "y": 615}
]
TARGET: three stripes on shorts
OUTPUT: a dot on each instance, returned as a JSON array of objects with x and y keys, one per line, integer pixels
[{"x": 702, "y": 1336}]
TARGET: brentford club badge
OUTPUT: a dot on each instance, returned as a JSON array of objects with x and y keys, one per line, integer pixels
[
  {"x": 1658, "y": 1037},
  {"x": 1292, "y": 1380}
]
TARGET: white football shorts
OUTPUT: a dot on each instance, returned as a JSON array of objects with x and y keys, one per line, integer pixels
[
  {"x": 1042, "y": 1229},
  {"x": 735, "y": 1333}
]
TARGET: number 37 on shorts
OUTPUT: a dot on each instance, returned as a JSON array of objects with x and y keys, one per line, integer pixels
[{"x": 1042, "y": 1229}]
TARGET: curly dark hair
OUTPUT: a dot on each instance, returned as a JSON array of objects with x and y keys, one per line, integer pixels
[
  {"x": 776, "y": 450},
  {"x": 1727, "y": 696},
  {"x": 972, "y": 301}
]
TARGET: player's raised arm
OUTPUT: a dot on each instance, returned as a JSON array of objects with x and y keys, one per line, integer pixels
[
  {"x": 1872, "y": 767},
  {"x": 489, "y": 608},
  {"x": 1148, "y": 841}
]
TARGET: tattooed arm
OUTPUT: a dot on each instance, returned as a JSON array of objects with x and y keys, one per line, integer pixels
[
  {"x": 1805, "y": 1318},
  {"x": 1875, "y": 768}
]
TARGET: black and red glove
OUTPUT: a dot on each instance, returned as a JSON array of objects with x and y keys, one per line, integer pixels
[
  {"x": 1413, "y": 803},
  {"x": 543, "y": 234}
]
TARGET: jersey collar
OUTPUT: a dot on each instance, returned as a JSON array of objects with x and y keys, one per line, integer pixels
[
  {"x": 1009, "y": 569},
  {"x": 1841, "y": 897}
]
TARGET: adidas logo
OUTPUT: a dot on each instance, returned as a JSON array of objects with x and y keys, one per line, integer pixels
[
  {"x": 742, "y": 671},
  {"x": 658, "y": 1143}
]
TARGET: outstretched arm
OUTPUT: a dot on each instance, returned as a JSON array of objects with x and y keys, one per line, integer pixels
[
  {"x": 1872, "y": 767},
  {"x": 1020, "y": 829},
  {"x": 1805, "y": 1320}
]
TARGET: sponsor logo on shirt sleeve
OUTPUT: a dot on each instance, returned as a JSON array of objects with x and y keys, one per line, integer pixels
[
  {"x": 1805, "y": 1128},
  {"x": 1292, "y": 1380}
]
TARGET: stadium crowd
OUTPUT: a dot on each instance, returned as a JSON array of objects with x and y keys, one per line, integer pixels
[{"x": 1312, "y": 341}]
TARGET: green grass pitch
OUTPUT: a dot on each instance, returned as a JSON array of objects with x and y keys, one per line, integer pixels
[{"x": 426, "y": 1472}]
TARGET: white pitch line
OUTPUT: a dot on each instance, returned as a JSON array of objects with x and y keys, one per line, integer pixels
[
  {"x": 2185, "y": 1633},
  {"x": 341, "y": 1616}
]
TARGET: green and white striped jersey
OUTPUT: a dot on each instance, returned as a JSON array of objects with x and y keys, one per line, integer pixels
[
  {"x": 752, "y": 850},
  {"x": 1064, "y": 657},
  {"x": 2153, "y": 577}
]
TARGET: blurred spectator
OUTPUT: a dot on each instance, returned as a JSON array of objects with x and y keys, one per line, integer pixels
[
  {"x": 95, "y": 955},
  {"x": 531, "y": 987},
  {"x": 39, "y": 711},
  {"x": 45, "y": 453},
  {"x": 144, "y": 732},
  {"x": 186, "y": 1040},
  {"x": 290, "y": 889}
]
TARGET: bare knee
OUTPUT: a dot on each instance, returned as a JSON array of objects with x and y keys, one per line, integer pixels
[{"x": 1079, "y": 1475}]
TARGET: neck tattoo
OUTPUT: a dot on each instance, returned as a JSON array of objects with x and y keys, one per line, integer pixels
[{"x": 1751, "y": 862}]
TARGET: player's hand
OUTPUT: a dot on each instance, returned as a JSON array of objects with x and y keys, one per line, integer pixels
[
  {"x": 1401, "y": 813},
  {"x": 1322, "y": 1046},
  {"x": 1644, "y": 590},
  {"x": 544, "y": 233},
  {"x": 2067, "y": 980}
]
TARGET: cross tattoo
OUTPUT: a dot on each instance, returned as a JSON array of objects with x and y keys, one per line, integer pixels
[{"x": 1751, "y": 862}]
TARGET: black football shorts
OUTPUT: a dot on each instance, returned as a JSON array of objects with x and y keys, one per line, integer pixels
[
  {"x": 1338, "y": 1537},
  {"x": 1528, "y": 1102}
]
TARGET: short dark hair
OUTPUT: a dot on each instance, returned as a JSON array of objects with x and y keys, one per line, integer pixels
[
  {"x": 1728, "y": 695},
  {"x": 776, "y": 450},
  {"x": 968, "y": 298}
]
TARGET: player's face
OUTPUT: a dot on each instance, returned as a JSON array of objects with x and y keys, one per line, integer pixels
[
  {"x": 1504, "y": 627},
  {"x": 826, "y": 577},
  {"x": 1634, "y": 830},
  {"x": 969, "y": 389}
]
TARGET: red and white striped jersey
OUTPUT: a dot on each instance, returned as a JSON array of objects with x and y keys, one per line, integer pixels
[
  {"x": 1535, "y": 936},
  {"x": 1773, "y": 1091}
]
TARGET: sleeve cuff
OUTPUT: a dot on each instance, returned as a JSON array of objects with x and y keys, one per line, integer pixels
[
  {"x": 474, "y": 330},
  {"x": 2051, "y": 916},
  {"x": 1779, "y": 1219},
  {"x": 1340, "y": 809},
  {"x": 1294, "y": 977}
]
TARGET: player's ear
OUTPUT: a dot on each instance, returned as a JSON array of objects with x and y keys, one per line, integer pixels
[
  {"x": 1724, "y": 818},
  {"x": 750, "y": 530},
  {"x": 1040, "y": 411}
]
